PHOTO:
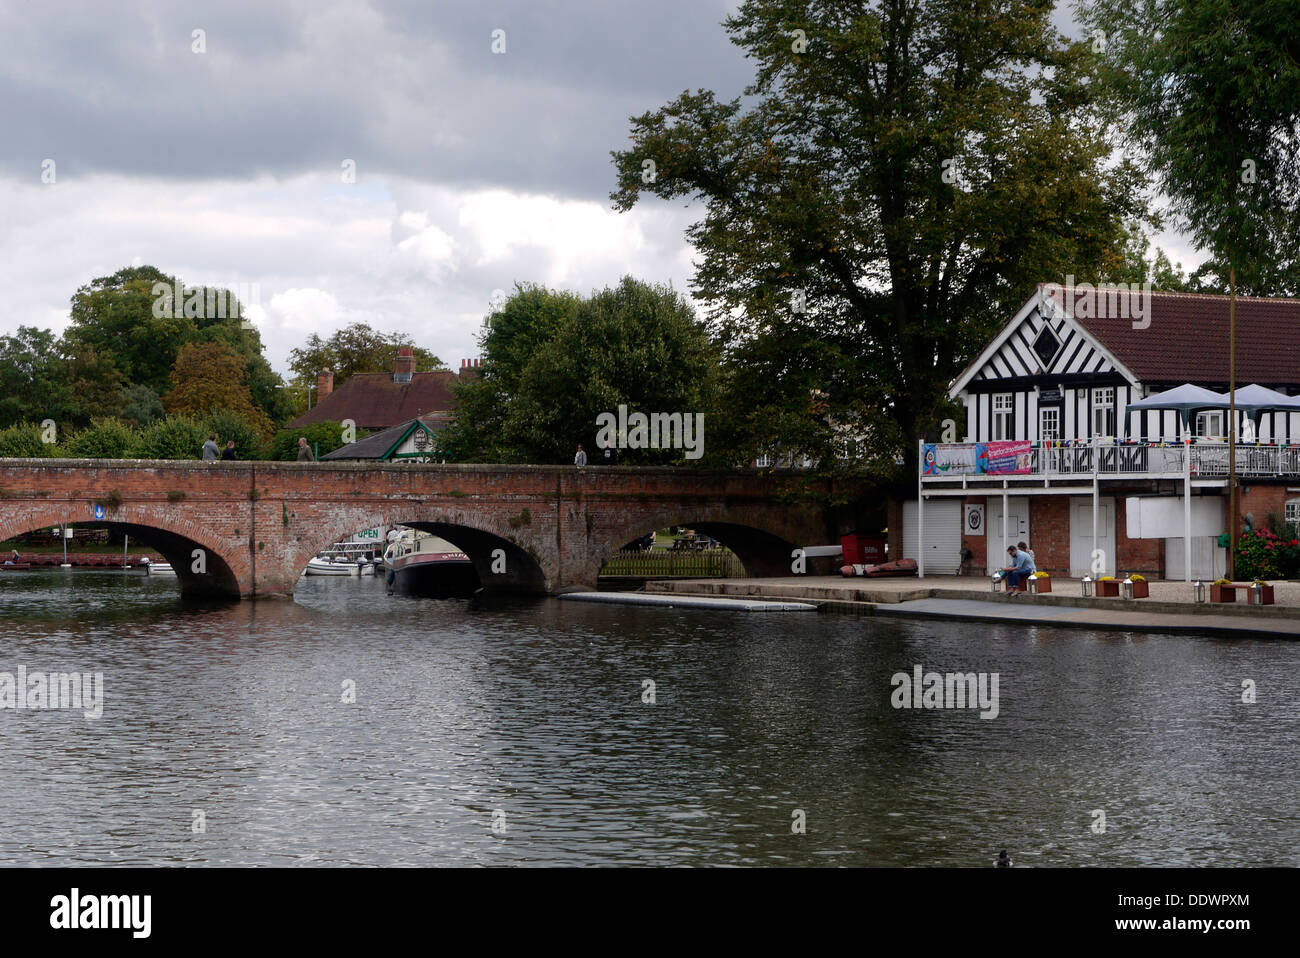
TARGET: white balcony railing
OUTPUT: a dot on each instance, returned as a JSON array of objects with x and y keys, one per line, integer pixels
[{"x": 1209, "y": 460}]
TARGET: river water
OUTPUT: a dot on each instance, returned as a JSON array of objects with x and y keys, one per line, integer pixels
[{"x": 521, "y": 734}]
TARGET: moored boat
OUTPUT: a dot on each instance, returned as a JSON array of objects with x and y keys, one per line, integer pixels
[{"x": 425, "y": 565}]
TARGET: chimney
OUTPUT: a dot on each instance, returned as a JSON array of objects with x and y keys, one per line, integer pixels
[
  {"x": 469, "y": 368},
  {"x": 324, "y": 384},
  {"x": 405, "y": 366}
]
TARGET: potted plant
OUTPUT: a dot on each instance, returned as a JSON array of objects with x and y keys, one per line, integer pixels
[
  {"x": 1260, "y": 591},
  {"x": 1041, "y": 582},
  {"x": 1221, "y": 591},
  {"x": 1140, "y": 588},
  {"x": 1108, "y": 587}
]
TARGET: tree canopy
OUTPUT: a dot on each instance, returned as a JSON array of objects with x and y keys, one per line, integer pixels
[
  {"x": 554, "y": 361},
  {"x": 891, "y": 187},
  {"x": 354, "y": 349}
]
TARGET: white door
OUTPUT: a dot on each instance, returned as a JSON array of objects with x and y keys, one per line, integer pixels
[
  {"x": 1017, "y": 529},
  {"x": 1209, "y": 559},
  {"x": 943, "y": 519},
  {"x": 1081, "y": 544}
]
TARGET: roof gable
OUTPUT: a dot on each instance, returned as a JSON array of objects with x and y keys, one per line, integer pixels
[{"x": 375, "y": 401}]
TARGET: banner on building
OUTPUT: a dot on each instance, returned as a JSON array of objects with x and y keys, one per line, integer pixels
[
  {"x": 1009, "y": 458},
  {"x": 950, "y": 459}
]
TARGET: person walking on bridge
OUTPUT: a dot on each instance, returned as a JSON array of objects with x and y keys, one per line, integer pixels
[
  {"x": 580, "y": 458},
  {"x": 304, "y": 451},
  {"x": 211, "y": 451}
]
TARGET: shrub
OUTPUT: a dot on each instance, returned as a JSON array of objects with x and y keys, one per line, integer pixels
[
  {"x": 323, "y": 437},
  {"x": 103, "y": 439},
  {"x": 23, "y": 441},
  {"x": 176, "y": 437},
  {"x": 1262, "y": 553},
  {"x": 230, "y": 425}
]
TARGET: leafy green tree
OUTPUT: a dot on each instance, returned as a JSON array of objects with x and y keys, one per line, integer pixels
[
  {"x": 354, "y": 349},
  {"x": 175, "y": 437},
  {"x": 635, "y": 344},
  {"x": 323, "y": 437},
  {"x": 211, "y": 376},
  {"x": 897, "y": 179},
  {"x": 511, "y": 336},
  {"x": 134, "y": 320},
  {"x": 103, "y": 439},
  {"x": 1209, "y": 91},
  {"x": 141, "y": 405},
  {"x": 228, "y": 425},
  {"x": 25, "y": 440},
  {"x": 96, "y": 386},
  {"x": 33, "y": 379}
]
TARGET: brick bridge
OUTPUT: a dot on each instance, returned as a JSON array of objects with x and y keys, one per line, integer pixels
[{"x": 259, "y": 522}]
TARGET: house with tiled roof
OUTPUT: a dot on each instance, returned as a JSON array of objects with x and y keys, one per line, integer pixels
[
  {"x": 407, "y": 442},
  {"x": 379, "y": 401},
  {"x": 1065, "y": 443}
]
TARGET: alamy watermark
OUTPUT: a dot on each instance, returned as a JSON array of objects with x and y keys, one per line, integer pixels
[
  {"x": 658, "y": 430},
  {"x": 1104, "y": 300},
  {"x": 947, "y": 690},
  {"x": 53, "y": 690},
  {"x": 172, "y": 301}
]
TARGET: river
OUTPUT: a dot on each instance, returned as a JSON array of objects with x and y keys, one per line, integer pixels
[{"x": 523, "y": 734}]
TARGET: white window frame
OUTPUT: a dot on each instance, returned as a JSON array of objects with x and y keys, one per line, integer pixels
[
  {"x": 764, "y": 461},
  {"x": 1003, "y": 409},
  {"x": 1202, "y": 426},
  {"x": 1103, "y": 411},
  {"x": 1044, "y": 413},
  {"x": 1291, "y": 511}
]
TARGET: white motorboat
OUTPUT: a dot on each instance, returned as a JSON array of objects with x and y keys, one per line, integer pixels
[
  {"x": 157, "y": 568},
  {"x": 325, "y": 564}
]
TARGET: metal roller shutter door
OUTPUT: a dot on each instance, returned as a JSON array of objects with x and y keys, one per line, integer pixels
[{"x": 942, "y": 535}]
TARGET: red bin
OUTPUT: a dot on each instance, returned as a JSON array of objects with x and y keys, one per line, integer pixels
[{"x": 863, "y": 550}]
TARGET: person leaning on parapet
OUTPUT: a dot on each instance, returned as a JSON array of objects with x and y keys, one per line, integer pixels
[
  {"x": 211, "y": 451},
  {"x": 1021, "y": 568},
  {"x": 229, "y": 452},
  {"x": 580, "y": 458},
  {"x": 304, "y": 451},
  {"x": 611, "y": 454}
]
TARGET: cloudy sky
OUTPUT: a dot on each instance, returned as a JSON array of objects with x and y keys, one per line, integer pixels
[{"x": 474, "y": 168}]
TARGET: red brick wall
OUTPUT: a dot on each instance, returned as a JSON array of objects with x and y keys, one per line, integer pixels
[
  {"x": 1261, "y": 500},
  {"x": 257, "y": 524},
  {"x": 1049, "y": 533},
  {"x": 1146, "y": 556}
]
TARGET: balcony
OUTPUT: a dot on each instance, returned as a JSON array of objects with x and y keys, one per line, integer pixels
[{"x": 967, "y": 462}]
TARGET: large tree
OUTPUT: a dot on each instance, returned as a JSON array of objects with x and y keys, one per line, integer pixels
[
  {"x": 1209, "y": 91},
  {"x": 133, "y": 320},
  {"x": 553, "y": 362},
  {"x": 34, "y": 382},
  {"x": 897, "y": 178},
  {"x": 208, "y": 377}
]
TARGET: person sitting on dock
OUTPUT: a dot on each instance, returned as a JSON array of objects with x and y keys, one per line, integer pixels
[{"x": 1021, "y": 568}]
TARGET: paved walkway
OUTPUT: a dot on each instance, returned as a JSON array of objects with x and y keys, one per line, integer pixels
[{"x": 1171, "y": 607}]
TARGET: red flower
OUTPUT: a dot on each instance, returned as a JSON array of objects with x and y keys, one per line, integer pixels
[{"x": 1295, "y": 542}]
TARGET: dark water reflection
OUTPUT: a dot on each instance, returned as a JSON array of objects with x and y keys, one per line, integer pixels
[{"x": 535, "y": 710}]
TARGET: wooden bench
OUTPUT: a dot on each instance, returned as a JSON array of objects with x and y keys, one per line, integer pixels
[{"x": 1228, "y": 592}]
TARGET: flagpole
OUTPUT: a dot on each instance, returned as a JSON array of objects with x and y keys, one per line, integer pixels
[{"x": 1232, "y": 422}]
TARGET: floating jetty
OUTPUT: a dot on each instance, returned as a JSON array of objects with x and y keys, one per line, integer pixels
[{"x": 688, "y": 602}]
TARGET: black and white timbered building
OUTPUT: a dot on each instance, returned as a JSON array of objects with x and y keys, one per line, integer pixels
[{"x": 1063, "y": 375}]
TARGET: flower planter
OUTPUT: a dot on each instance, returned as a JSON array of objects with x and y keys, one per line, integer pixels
[
  {"x": 1108, "y": 588},
  {"x": 1141, "y": 590},
  {"x": 1040, "y": 586},
  {"x": 1222, "y": 593},
  {"x": 1265, "y": 595}
]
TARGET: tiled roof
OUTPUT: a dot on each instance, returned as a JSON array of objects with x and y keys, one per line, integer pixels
[
  {"x": 376, "y": 445},
  {"x": 374, "y": 401},
  {"x": 1187, "y": 341}
]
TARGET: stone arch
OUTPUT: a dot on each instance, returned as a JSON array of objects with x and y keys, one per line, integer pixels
[
  {"x": 174, "y": 537},
  {"x": 523, "y": 570},
  {"x": 761, "y": 551}
]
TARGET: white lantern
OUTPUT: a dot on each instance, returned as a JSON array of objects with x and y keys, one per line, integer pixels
[{"x": 1087, "y": 586}]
